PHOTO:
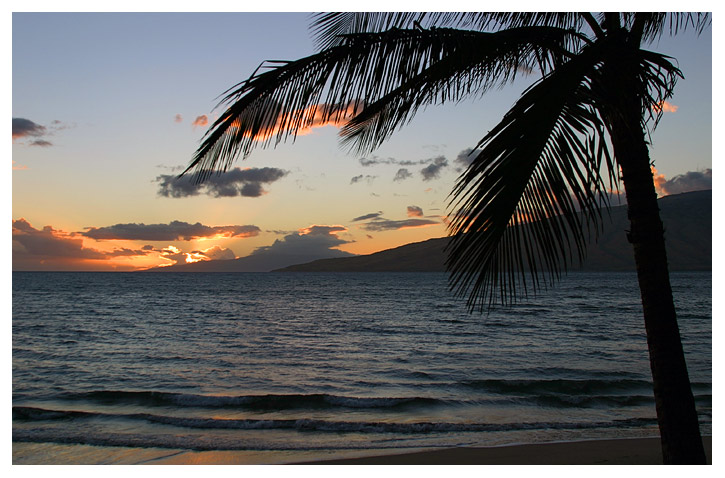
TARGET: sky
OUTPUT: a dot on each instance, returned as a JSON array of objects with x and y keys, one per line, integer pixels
[{"x": 107, "y": 108}]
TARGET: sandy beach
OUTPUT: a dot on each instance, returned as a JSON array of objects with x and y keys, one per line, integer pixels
[{"x": 636, "y": 451}]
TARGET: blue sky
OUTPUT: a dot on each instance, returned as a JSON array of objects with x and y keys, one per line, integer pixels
[{"x": 115, "y": 97}]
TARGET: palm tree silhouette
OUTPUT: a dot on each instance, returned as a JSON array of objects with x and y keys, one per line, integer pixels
[{"x": 533, "y": 195}]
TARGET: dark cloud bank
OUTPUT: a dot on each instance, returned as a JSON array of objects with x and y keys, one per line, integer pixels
[
  {"x": 174, "y": 231},
  {"x": 312, "y": 243},
  {"x": 51, "y": 249},
  {"x": 690, "y": 181},
  {"x": 232, "y": 183}
]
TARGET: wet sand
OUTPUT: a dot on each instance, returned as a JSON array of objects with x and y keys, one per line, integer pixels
[{"x": 636, "y": 451}]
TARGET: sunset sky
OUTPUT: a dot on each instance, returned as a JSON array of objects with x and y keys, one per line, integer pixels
[{"x": 108, "y": 108}]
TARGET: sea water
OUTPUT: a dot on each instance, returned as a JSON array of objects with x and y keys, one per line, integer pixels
[{"x": 332, "y": 362}]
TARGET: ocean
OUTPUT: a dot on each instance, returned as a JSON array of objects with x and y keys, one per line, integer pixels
[{"x": 278, "y": 367}]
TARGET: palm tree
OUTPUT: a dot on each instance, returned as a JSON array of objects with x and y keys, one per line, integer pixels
[{"x": 533, "y": 195}]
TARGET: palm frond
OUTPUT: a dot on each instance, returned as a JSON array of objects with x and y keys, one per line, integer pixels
[
  {"x": 651, "y": 25},
  {"x": 532, "y": 198},
  {"x": 275, "y": 104},
  {"x": 335, "y": 84},
  {"x": 472, "y": 64},
  {"x": 328, "y": 29}
]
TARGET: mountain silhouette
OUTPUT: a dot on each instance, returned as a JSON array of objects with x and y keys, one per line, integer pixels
[{"x": 688, "y": 234}]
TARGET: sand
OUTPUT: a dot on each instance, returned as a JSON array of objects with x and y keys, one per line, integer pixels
[{"x": 636, "y": 451}]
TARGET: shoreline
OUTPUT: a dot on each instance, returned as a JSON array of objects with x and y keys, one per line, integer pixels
[{"x": 618, "y": 451}]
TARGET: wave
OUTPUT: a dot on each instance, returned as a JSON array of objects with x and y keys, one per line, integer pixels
[
  {"x": 68, "y": 434},
  {"x": 559, "y": 386},
  {"x": 556, "y": 393},
  {"x": 253, "y": 402}
]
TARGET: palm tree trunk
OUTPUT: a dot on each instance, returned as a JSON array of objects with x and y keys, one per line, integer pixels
[{"x": 676, "y": 414}]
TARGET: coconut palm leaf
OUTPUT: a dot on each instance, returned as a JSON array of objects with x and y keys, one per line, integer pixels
[
  {"x": 531, "y": 200},
  {"x": 476, "y": 63},
  {"x": 276, "y": 104},
  {"x": 329, "y": 28}
]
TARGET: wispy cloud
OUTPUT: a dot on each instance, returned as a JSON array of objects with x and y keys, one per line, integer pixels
[
  {"x": 365, "y": 217},
  {"x": 433, "y": 170},
  {"x": 202, "y": 120},
  {"x": 464, "y": 159},
  {"x": 235, "y": 182},
  {"x": 173, "y": 231},
  {"x": 360, "y": 177},
  {"x": 382, "y": 224},
  {"x": 24, "y": 128},
  {"x": 402, "y": 174},
  {"x": 415, "y": 211}
]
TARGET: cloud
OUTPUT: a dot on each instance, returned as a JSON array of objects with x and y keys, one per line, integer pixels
[
  {"x": 52, "y": 249},
  {"x": 18, "y": 167},
  {"x": 174, "y": 231},
  {"x": 235, "y": 182},
  {"x": 382, "y": 224},
  {"x": 405, "y": 162},
  {"x": 202, "y": 120},
  {"x": 360, "y": 177},
  {"x": 217, "y": 253},
  {"x": 464, "y": 159},
  {"x": 415, "y": 211},
  {"x": 433, "y": 170},
  {"x": 313, "y": 242},
  {"x": 178, "y": 119},
  {"x": 23, "y": 128},
  {"x": 659, "y": 179},
  {"x": 315, "y": 116},
  {"x": 177, "y": 256},
  {"x": 372, "y": 215},
  {"x": 402, "y": 174},
  {"x": 682, "y": 183},
  {"x": 666, "y": 106}
]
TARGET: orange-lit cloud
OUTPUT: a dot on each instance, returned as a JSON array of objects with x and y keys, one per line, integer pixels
[
  {"x": 318, "y": 230},
  {"x": 53, "y": 249},
  {"x": 415, "y": 211},
  {"x": 18, "y": 167},
  {"x": 177, "y": 256},
  {"x": 682, "y": 183},
  {"x": 202, "y": 120},
  {"x": 23, "y": 127},
  {"x": 665, "y": 106},
  {"x": 178, "y": 119},
  {"x": 659, "y": 180},
  {"x": 312, "y": 117}
]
